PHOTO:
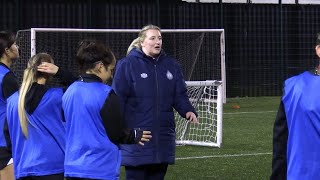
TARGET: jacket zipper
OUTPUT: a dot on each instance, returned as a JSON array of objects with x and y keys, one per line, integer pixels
[{"x": 157, "y": 107}]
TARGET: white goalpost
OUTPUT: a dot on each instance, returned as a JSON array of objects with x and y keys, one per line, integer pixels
[{"x": 201, "y": 53}]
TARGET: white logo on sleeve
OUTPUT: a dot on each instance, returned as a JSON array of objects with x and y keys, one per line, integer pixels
[
  {"x": 144, "y": 75},
  {"x": 169, "y": 75}
]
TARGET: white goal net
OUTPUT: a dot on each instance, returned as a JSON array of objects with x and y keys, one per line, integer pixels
[
  {"x": 199, "y": 51},
  {"x": 206, "y": 97}
]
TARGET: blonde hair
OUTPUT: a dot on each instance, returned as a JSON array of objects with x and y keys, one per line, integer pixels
[
  {"x": 30, "y": 75},
  {"x": 136, "y": 43}
]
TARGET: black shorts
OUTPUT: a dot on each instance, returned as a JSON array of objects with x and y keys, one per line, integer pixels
[
  {"x": 5, "y": 156},
  {"x": 47, "y": 177}
]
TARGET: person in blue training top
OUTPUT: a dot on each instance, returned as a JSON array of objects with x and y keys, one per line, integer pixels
[
  {"x": 150, "y": 85},
  {"x": 296, "y": 132},
  {"x": 36, "y": 127},
  {"x": 94, "y": 124},
  {"x": 9, "y": 84}
]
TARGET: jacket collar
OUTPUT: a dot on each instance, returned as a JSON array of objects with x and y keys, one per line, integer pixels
[{"x": 139, "y": 53}]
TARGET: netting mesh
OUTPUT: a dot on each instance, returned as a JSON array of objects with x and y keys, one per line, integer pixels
[
  {"x": 199, "y": 53},
  {"x": 205, "y": 100},
  {"x": 24, "y": 43}
]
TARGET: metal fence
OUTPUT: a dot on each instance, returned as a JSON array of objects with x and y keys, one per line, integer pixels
[{"x": 265, "y": 43}]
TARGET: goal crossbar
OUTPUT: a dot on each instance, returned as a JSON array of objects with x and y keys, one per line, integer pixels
[{"x": 119, "y": 30}]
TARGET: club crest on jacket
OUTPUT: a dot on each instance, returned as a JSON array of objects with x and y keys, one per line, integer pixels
[
  {"x": 169, "y": 75},
  {"x": 144, "y": 75}
]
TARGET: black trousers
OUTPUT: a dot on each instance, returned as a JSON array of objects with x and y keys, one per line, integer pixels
[
  {"x": 72, "y": 178},
  {"x": 146, "y": 172},
  {"x": 47, "y": 177}
]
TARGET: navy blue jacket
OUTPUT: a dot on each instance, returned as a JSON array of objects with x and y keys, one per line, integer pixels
[{"x": 150, "y": 89}]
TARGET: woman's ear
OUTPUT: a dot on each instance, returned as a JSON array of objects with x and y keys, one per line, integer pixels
[
  {"x": 7, "y": 51},
  {"x": 98, "y": 67},
  {"x": 318, "y": 50}
]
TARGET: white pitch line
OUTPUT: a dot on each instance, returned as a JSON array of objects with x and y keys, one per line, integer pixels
[
  {"x": 223, "y": 156},
  {"x": 257, "y": 112}
]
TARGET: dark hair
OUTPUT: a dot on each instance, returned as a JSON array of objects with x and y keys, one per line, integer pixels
[
  {"x": 90, "y": 52},
  {"x": 7, "y": 38}
]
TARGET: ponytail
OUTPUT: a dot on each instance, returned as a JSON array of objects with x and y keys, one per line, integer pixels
[
  {"x": 135, "y": 44},
  {"x": 26, "y": 85},
  {"x": 30, "y": 75}
]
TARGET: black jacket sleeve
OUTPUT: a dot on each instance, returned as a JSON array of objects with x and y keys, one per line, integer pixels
[
  {"x": 65, "y": 76},
  {"x": 10, "y": 84},
  {"x": 113, "y": 122},
  {"x": 280, "y": 138}
]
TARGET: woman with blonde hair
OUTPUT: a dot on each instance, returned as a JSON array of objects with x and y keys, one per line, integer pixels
[
  {"x": 150, "y": 85},
  {"x": 36, "y": 127}
]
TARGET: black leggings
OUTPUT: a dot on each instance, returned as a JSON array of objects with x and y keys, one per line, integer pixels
[{"x": 47, "y": 177}]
